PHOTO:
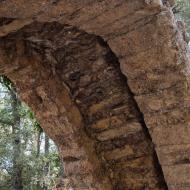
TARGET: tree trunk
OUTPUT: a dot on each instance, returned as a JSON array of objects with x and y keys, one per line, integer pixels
[
  {"x": 17, "y": 166},
  {"x": 46, "y": 148},
  {"x": 38, "y": 143},
  {"x": 46, "y": 151}
]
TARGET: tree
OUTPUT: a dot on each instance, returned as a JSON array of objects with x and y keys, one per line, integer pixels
[
  {"x": 15, "y": 125},
  {"x": 17, "y": 165},
  {"x": 184, "y": 12},
  {"x": 24, "y": 162}
]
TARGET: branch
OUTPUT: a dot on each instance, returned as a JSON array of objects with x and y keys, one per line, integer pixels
[
  {"x": 177, "y": 9},
  {"x": 5, "y": 122}
]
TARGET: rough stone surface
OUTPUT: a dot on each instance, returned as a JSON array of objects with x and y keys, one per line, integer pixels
[
  {"x": 82, "y": 100},
  {"x": 114, "y": 131}
]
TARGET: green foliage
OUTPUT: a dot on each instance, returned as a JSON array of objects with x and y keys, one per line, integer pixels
[
  {"x": 184, "y": 13},
  {"x": 37, "y": 127},
  {"x": 34, "y": 176},
  {"x": 6, "y": 82},
  {"x": 33, "y": 172}
]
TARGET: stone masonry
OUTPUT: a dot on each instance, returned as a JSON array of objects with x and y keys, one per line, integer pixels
[{"x": 109, "y": 82}]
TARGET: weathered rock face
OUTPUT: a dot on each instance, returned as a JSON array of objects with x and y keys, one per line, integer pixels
[
  {"x": 82, "y": 100},
  {"x": 114, "y": 131}
]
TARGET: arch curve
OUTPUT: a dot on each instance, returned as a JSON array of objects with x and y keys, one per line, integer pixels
[{"x": 73, "y": 83}]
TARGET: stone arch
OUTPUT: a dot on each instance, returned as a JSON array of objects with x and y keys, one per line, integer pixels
[
  {"x": 73, "y": 83},
  {"x": 153, "y": 55}
]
